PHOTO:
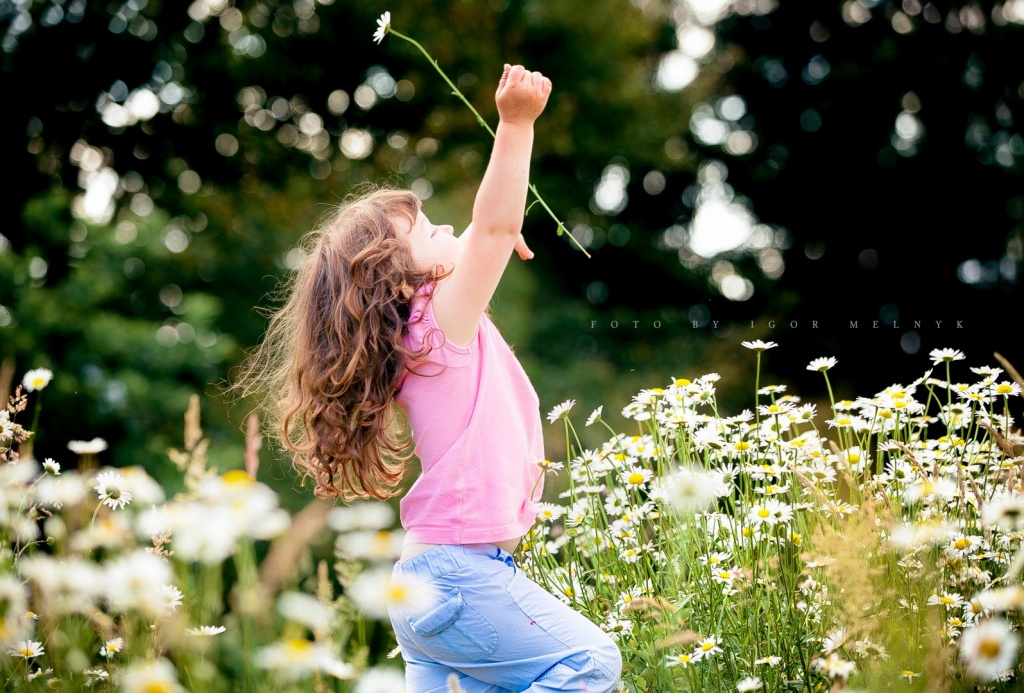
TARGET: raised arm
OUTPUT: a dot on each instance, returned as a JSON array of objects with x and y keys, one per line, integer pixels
[{"x": 462, "y": 297}]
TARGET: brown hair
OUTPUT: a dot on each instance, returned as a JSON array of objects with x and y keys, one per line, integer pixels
[{"x": 329, "y": 366}]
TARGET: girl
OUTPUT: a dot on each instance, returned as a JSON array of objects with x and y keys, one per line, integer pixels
[{"x": 391, "y": 308}]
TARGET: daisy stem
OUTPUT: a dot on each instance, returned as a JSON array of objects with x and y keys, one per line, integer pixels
[{"x": 479, "y": 119}]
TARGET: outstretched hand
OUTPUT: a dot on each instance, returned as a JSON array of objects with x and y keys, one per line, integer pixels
[
  {"x": 521, "y": 95},
  {"x": 522, "y": 249}
]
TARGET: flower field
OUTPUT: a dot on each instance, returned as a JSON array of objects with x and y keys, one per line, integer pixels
[{"x": 865, "y": 544}]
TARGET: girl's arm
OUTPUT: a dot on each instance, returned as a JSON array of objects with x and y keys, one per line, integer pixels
[{"x": 498, "y": 210}]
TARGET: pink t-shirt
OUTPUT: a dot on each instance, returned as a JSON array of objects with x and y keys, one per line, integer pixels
[{"x": 475, "y": 420}]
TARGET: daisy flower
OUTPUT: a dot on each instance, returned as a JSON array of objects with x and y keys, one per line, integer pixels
[
  {"x": 594, "y": 415},
  {"x": 112, "y": 647},
  {"x": 821, "y": 364},
  {"x": 205, "y": 630},
  {"x": 153, "y": 675},
  {"x": 384, "y": 680},
  {"x": 37, "y": 379},
  {"x": 770, "y": 660},
  {"x": 374, "y": 591},
  {"x": 383, "y": 27},
  {"x": 560, "y": 410},
  {"x": 758, "y": 345},
  {"x": 945, "y": 356},
  {"x": 635, "y": 477},
  {"x": 989, "y": 649},
  {"x": 27, "y": 649},
  {"x": 51, "y": 467},
  {"x": 87, "y": 447},
  {"x": 751, "y": 683},
  {"x": 707, "y": 647},
  {"x": 909, "y": 674},
  {"x": 112, "y": 489},
  {"x": 679, "y": 660}
]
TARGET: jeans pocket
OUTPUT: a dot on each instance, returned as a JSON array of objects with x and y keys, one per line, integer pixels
[{"x": 453, "y": 630}]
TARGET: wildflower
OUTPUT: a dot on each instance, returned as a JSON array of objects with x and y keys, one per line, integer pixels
[
  {"x": 172, "y": 597},
  {"x": 945, "y": 356},
  {"x": 770, "y": 660},
  {"x": 594, "y": 415},
  {"x": 751, "y": 683},
  {"x": 361, "y": 515},
  {"x": 680, "y": 660},
  {"x": 50, "y": 467},
  {"x": 381, "y": 680},
  {"x": 152, "y": 675},
  {"x": 39, "y": 672},
  {"x": 306, "y": 609},
  {"x": 27, "y": 649},
  {"x": 1005, "y": 512},
  {"x": 689, "y": 490},
  {"x": 950, "y": 600},
  {"x": 909, "y": 675},
  {"x": 112, "y": 489},
  {"x": 1007, "y": 389},
  {"x": 205, "y": 630},
  {"x": 549, "y": 512},
  {"x": 835, "y": 667},
  {"x": 375, "y": 591},
  {"x": 989, "y": 648},
  {"x": 383, "y": 27},
  {"x": 37, "y": 379},
  {"x": 758, "y": 345},
  {"x": 112, "y": 647},
  {"x": 636, "y": 477},
  {"x": 87, "y": 447},
  {"x": 297, "y": 657},
  {"x": 772, "y": 512},
  {"x": 821, "y": 364},
  {"x": 707, "y": 647},
  {"x": 560, "y": 410},
  {"x": 94, "y": 676}
]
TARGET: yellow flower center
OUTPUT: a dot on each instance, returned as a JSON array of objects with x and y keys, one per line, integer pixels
[
  {"x": 397, "y": 593},
  {"x": 844, "y": 421},
  {"x": 237, "y": 477},
  {"x": 989, "y": 648},
  {"x": 854, "y": 458},
  {"x": 636, "y": 478},
  {"x": 947, "y": 600},
  {"x": 962, "y": 544},
  {"x": 763, "y": 512},
  {"x": 885, "y": 413},
  {"x": 724, "y": 574},
  {"x": 156, "y": 687},
  {"x": 1004, "y": 389},
  {"x": 298, "y": 648},
  {"x": 743, "y": 445},
  {"x": 707, "y": 646},
  {"x": 682, "y": 382},
  {"x": 26, "y": 652}
]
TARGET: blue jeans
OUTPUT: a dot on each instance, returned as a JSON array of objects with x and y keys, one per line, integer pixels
[{"x": 497, "y": 630}]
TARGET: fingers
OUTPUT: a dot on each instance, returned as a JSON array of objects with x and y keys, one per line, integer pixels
[
  {"x": 522, "y": 249},
  {"x": 504, "y": 76},
  {"x": 516, "y": 74}
]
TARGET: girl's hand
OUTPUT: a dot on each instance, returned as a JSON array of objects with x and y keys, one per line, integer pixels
[
  {"x": 524, "y": 251},
  {"x": 521, "y": 95}
]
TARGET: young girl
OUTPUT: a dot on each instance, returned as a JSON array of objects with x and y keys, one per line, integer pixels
[{"x": 391, "y": 308}]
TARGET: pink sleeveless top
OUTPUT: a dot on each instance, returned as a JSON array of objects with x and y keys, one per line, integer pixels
[{"x": 475, "y": 420}]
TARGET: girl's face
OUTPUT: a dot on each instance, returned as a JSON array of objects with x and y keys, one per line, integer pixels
[{"x": 430, "y": 245}]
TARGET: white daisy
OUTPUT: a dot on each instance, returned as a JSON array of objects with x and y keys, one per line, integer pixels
[
  {"x": 375, "y": 590},
  {"x": 152, "y": 675},
  {"x": 205, "y": 630},
  {"x": 989, "y": 648},
  {"x": 112, "y": 647},
  {"x": 945, "y": 356},
  {"x": 87, "y": 447},
  {"x": 758, "y": 345},
  {"x": 37, "y": 379},
  {"x": 27, "y": 649},
  {"x": 560, "y": 410},
  {"x": 51, "y": 467},
  {"x": 383, "y": 27},
  {"x": 381, "y": 680},
  {"x": 751, "y": 683},
  {"x": 821, "y": 364},
  {"x": 113, "y": 491},
  {"x": 594, "y": 415}
]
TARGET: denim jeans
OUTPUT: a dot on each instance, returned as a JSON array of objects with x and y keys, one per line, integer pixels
[{"x": 497, "y": 630}]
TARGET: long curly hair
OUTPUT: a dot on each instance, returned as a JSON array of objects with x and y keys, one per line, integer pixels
[{"x": 328, "y": 369}]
